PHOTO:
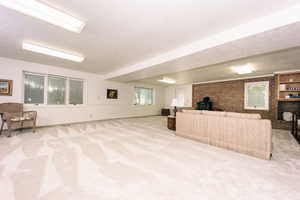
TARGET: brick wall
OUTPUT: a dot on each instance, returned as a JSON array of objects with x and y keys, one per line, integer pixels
[{"x": 229, "y": 96}]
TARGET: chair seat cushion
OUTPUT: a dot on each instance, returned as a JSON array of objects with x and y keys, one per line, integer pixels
[
  {"x": 28, "y": 116},
  {"x": 18, "y": 119}
]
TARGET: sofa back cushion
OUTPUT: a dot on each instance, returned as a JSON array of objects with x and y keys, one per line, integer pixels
[
  {"x": 193, "y": 111},
  {"x": 180, "y": 109},
  {"x": 243, "y": 115},
  {"x": 214, "y": 113},
  {"x": 225, "y": 114}
]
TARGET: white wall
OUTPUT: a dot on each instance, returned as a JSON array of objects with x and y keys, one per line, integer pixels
[
  {"x": 179, "y": 91},
  {"x": 97, "y": 106}
]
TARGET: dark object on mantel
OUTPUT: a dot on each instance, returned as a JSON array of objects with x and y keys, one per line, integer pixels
[
  {"x": 293, "y": 96},
  {"x": 205, "y": 104}
]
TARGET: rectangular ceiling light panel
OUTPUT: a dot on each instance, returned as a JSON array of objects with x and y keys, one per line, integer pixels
[
  {"x": 246, "y": 69},
  {"x": 51, "y": 52},
  {"x": 44, "y": 12},
  {"x": 167, "y": 80}
]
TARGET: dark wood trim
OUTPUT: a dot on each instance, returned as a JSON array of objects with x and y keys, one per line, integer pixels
[{"x": 295, "y": 127}]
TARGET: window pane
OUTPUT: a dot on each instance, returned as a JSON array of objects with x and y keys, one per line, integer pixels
[
  {"x": 76, "y": 92},
  {"x": 149, "y": 96},
  {"x": 257, "y": 95},
  {"x": 180, "y": 94},
  {"x": 136, "y": 96},
  {"x": 56, "y": 90},
  {"x": 33, "y": 89},
  {"x": 143, "y": 96}
]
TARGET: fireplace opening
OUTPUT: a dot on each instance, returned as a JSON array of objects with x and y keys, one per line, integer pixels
[{"x": 288, "y": 106}]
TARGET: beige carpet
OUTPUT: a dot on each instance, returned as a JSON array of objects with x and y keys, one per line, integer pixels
[{"x": 139, "y": 159}]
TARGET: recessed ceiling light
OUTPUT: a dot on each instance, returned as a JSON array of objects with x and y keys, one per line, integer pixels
[
  {"x": 51, "y": 52},
  {"x": 167, "y": 80},
  {"x": 44, "y": 12},
  {"x": 246, "y": 69}
]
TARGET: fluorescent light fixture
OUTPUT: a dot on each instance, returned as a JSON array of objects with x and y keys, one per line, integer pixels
[
  {"x": 51, "y": 52},
  {"x": 167, "y": 80},
  {"x": 246, "y": 69},
  {"x": 44, "y": 12}
]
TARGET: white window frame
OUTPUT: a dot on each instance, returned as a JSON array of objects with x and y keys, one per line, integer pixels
[
  {"x": 267, "y": 97},
  {"x": 83, "y": 92},
  {"x": 66, "y": 92},
  {"x": 153, "y": 96},
  {"x": 45, "y": 87},
  {"x": 67, "y": 103}
]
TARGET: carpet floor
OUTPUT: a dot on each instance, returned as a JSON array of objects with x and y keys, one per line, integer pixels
[{"x": 140, "y": 159}]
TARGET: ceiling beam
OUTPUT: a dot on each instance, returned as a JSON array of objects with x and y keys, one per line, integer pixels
[{"x": 267, "y": 23}]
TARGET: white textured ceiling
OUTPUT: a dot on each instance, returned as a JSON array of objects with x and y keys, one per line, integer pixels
[{"x": 121, "y": 33}]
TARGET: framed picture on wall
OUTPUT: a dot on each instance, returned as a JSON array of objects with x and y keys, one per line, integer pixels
[
  {"x": 6, "y": 87},
  {"x": 112, "y": 94}
]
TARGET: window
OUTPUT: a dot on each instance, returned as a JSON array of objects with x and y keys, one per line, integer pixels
[
  {"x": 52, "y": 90},
  {"x": 56, "y": 90},
  {"x": 143, "y": 96},
  {"x": 257, "y": 95},
  {"x": 180, "y": 96},
  {"x": 76, "y": 92},
  {"x": 34, "y": 89}
]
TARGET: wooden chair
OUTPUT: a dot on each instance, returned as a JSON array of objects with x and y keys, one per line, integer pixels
[{"x": 13, "y": 115}]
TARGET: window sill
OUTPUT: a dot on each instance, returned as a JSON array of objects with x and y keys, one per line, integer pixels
[
  {"x": 144, "y": 105},
  {"x": 53, "y": 106},
  {"x": 258, "y": 109}
]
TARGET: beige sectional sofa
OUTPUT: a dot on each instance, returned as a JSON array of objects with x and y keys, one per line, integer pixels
[{"x": 240, "y": 132}]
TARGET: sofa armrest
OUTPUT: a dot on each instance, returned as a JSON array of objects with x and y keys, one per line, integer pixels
[{"x": 7, "y": 116}]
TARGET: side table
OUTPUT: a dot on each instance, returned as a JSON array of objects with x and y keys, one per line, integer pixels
[{"x": 172, "y": 123}]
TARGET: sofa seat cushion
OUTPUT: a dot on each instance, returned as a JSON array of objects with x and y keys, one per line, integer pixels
[{"x": 243, "y": 115}]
